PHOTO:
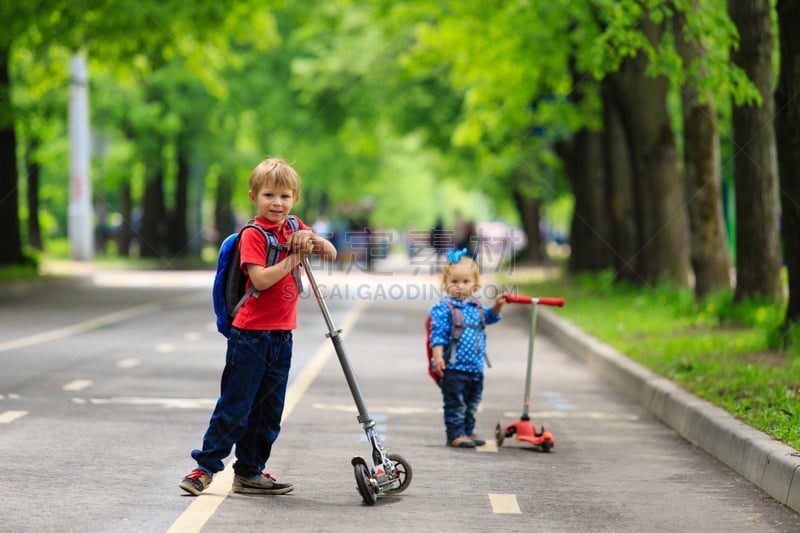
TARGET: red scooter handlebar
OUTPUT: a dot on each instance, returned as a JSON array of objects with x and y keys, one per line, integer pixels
[{"x": 541, "y": 300}]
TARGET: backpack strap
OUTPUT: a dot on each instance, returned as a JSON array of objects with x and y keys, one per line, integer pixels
[
  {"x": 481, "y": 325},
  {"x": 458, "y": 329},
  {"x": 455, "y": 331},
  {"x": 295, "y": 225},
  {"x": 273, "y": 254}
]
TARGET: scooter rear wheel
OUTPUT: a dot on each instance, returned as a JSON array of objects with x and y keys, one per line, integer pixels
[
  {"x": 499, "y": 434},
  {"x": 364, "y": 483},
  {"x": 546, "y": 445},
  {"x": 403, "y": 472}
]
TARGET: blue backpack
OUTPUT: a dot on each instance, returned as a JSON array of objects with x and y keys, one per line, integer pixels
[{"x": 230, "y": 281}]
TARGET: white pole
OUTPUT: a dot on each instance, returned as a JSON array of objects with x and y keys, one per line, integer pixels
[{"x": 80, "y": 224}]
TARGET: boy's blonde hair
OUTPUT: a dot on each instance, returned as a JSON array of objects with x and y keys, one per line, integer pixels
[
  {"x": 274, "y": 172},
  {"x": 473, "y": 266}
]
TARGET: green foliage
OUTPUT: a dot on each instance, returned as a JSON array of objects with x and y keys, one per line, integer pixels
[
  {"x": 29, "y": 269},
  {"x": 718, "y": 350},
  {"x": 750, "y": 313},
  {"x": 409, "y": 105},
  {"x": 57, "y": 248}
]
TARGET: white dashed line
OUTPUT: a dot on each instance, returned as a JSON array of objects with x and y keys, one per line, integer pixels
[
  {"x": 7, "y": 417},
  {"x": 490, "y": 446},
  {"x": 504, "y": 504},
  {"x": 129, "y": 363},
  {"x": 78, "y": 384},
  {"x": 166, "y": 403},
  {"x": 536, "y": 416}
]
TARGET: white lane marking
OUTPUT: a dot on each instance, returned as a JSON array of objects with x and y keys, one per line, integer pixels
[
  {"x": 6, "y": 417},
  {"x": 203, "y": 507},
  {"x": 563, "y": 414},
  {"x": 510, "y": 415},
  {"x": 160, "y": 278},
  {"x": 95, "y": 323},
  {"x": 129, "y": 363},
  {"x": 382, "y": 409},
  {"x": 490, "y": 446},
  {"x": 193, "y": 336},
  {"x": 166, "y": 403},
  {"x": 166, "y": 348},
  {"x": 78, "y": 384},
  {"x": 504, "y": 504}
]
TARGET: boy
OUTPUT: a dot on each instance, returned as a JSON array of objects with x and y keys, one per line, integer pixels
[{"x": 253, "y": 388}]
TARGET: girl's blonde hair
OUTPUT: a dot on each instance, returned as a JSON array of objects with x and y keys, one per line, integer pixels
[
  {"x": 274, "y": 172},
  {"x": 473, "y": 266}
]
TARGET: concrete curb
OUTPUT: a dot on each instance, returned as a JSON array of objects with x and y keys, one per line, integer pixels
[{"x": 768, "y": 463}]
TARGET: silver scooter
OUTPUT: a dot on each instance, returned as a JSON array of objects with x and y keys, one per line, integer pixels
[{"x": 384, "y": 473}]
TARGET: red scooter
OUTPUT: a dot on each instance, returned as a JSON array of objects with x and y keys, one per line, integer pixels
[{"x": 524, "y": 429}]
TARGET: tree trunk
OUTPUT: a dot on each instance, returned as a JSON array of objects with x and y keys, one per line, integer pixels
[
  {"x": 620, "y": 193},
  {"x": 589, "y": 235},
  {"x": 661, "y": 216},
  {"x": 702, "y": 177},
  {"x": 33, "y": 171},
  {"x": 10, "y": 240},
  {"x": 129, "y": 226},
  {"x": 224, "y": 217},
  {"x": 528, "y": 210},
  {"x": 153, "y": 219},
  {"x": 194, "y": 217},
  {"x": 176, "y": 235},
  {"x": 787, "y": 127},
  {"x": 755, "y": 160}
]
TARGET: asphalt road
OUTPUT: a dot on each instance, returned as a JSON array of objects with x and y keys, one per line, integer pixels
[{"x": 108, "y": 381}]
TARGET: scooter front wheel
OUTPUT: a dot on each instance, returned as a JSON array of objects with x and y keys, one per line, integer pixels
[
  {"x": 499, "y": 434},
  {"x": 404, "y": 473},
  {"x": 364, "y": 483}
]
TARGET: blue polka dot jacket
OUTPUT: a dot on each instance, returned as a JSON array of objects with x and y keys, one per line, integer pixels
[{"x": 470, "y": 353}]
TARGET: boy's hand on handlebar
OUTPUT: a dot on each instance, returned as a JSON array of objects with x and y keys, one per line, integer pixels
[{"x": 301, "y": 243}]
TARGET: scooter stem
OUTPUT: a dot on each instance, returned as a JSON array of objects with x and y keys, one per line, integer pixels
[
  {"x": 364, "y": 416},
  {"x": 526, "y": 404}
]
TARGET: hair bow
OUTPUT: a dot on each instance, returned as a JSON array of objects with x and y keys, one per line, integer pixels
[{"x": 455, "y": 255}]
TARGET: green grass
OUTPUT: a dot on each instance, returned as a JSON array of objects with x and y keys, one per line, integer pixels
[{"x": 731, "y": 355}]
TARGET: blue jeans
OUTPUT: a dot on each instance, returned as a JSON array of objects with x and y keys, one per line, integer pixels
[
  {"x": 249, "y": 409},
  {"x": 461, "y": 395}
]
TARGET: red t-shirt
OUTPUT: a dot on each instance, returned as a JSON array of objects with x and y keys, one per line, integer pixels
[{"x": 275, "y": 307}]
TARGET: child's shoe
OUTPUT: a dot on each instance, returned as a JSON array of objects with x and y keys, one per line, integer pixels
[
  {"x": 461, "y": 442},
  {"x": 477, "y": 440},
  {"x": 260, "y": 484},
  {"x": 195, "y": 481}
]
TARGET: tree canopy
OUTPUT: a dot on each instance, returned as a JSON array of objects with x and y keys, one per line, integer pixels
[{"x": 394, "y": 113}]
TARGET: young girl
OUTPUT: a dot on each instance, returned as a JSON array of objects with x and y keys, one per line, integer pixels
[{"x": 459, "y": 353}]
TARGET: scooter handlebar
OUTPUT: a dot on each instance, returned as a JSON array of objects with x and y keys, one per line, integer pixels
[{"x": 541, "y": 300}]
